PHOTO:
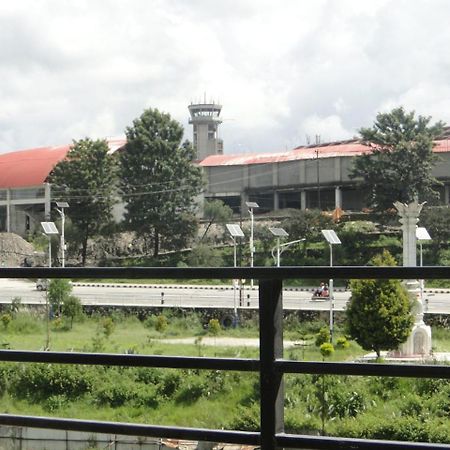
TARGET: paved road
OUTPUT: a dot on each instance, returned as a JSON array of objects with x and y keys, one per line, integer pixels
[{"x": 190, "y": 296}]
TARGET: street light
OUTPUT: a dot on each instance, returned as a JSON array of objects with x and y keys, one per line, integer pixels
[
  {"x": 278, "y": 233},
  {"x": 251, "y": 206},
  {"x": 49, "y": 229},
  {"x": 332, "y": 239},
  {"x": 422, "y": 235},
  {"x": 62, "y": 205},
  {"x": 235, "y": 232}
]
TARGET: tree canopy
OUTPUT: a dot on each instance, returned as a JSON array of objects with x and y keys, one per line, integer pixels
[
  {"x": 86, "y": 179},
  {"x": 379, "y": 311},
  {"x": 399, "y": 166},
  {"x": 159, "y": 181}
]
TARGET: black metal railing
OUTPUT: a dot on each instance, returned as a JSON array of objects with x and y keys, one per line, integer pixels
[{"x": 271, "y": 366}]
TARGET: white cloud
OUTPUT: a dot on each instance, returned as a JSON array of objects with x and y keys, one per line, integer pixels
[{"x": 72, "y": 69}]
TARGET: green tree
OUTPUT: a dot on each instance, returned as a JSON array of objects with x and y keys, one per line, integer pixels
[
  {"x": 436, "y": 219},
  {"x": 86, "y": 178},
  {"x": 399, "y": 164},
  {"x": 58, "y": 292},
  {"x": 159, "y": 181},
  {"x": 379, "y": 311},
  {"x": 72, "y": 308},
  {"x": 215, "y": 211}
]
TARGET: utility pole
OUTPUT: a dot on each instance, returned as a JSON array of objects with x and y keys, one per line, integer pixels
[{"x": 318, "y": 175}]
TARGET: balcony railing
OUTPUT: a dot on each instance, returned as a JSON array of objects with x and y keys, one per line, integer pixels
[{"x": 271, "y": 366}]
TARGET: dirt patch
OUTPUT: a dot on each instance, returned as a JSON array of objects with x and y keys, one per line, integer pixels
[{"x": 15, "y": 251}]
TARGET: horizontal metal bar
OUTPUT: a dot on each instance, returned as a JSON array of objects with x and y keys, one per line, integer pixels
[
  {"x": 333, "y": 443},
  {"x": 261, "y": 273},
  {"x": 195, "y": 434},
  {"x": 111, "y": 359},
  {"x": 364, "y": 369}
]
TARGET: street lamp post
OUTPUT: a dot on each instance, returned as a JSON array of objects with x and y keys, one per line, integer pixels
[
  {"x": 60, "y": 209},
  {"x": 49, "y": 229},
  {"x": 278, "y": 233},
  {"x": 332, "y": 239},
  {"x": 235, "y": 232},
  {"x": 251, "y": 206},
  {"x": 422, "y": 235}
]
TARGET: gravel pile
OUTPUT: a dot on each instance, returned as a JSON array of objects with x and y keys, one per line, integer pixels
[{"x": 14, "y": 250}]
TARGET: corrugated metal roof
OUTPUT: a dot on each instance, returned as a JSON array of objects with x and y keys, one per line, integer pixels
[
  {"x": 31, "y": 167},
  {"x": 333, "y": 150}
]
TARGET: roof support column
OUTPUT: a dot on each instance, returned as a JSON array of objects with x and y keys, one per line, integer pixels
[
  {"x": 303, "y": 199},
  {"x": 338, "y": 197},
  {"x": 47, "y": 199},
  {"x": 8, "y": 210}
]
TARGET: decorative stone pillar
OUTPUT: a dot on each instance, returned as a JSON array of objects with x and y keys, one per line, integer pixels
[{"x": 419, "y": 341}]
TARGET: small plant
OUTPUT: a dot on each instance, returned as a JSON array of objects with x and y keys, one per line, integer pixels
[
  {"x": 108, "y": 326},
  {"x": 16, "y": 303},
  {"x": 161, "y": 324},
  {"x": 6, "y": 320},
  {"x": 326, "y": 349},
  {"x": 323, "y": 336},
  {"x": 342, "y": 343},
  {"x": 214, "y": 327}
]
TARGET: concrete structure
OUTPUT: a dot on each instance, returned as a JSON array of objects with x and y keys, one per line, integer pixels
[
  {"x": 296, "y": 178},
  {"x": 205, "y": 122},
  {"x": 419, "y": 341},
  {"x": 25, "y": 194}
]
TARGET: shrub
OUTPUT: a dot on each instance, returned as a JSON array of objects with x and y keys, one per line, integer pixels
[
  {"x": 322, "y": 336},
  {"x": 342, "y": 343},
  {"x": 161, "y": 324},
  {"x": 214, "y": 327},
  {"x": 6, "y": 320},
  {"x": 108, "y": 326},
  {"x": 326, "y": 349}
]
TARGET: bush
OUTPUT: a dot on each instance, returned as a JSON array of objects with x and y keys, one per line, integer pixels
[
  {"x": 342, "y": 343},
  {"x": 161, "y": 324},
  {"x": 40, "y": 381},
  {"x": 322, "y": 337}
]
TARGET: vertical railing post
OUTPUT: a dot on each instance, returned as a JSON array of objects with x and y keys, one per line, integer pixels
[{"x": 271, "y": 348}]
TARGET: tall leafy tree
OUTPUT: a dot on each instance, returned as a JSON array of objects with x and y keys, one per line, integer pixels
[
  {"x": 159, "y": 181},
  {"x": 86, "y": 179},
  {"x": 215, "y": 211},
  {"x": 379, "y": 311},
  {"x": 399, "y": 165}
]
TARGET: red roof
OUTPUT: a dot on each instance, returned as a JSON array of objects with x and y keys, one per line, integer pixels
[
  {"x": 27, "y": 168},
  {"x": 333, "y": 150}
]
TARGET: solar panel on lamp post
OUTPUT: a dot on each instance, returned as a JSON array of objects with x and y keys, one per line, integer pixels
[
  {"x": 60, "y": 209},
  {"x": 422, "y": 235},
  {"x": 278, "y": 233},
  {"x": 235, "y": 232},
  {"x": 49, "y": 229},
  {"x": 332, "y": 239},
  {"x": 251, "y": 206}
]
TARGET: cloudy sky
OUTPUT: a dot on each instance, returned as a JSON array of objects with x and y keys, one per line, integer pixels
[{"x": 283, "y": 70}]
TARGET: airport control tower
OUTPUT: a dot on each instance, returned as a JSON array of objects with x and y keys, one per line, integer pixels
[{"x": 205, "y": 120}]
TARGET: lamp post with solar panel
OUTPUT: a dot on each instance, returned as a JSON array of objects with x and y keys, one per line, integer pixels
[
  {"x": 422, "y": 235},
  {"x": 235, "y": 232},
  {"x": 280, "y": 248},
  {"x": 332, "y": 239},
  {"x": 251, "y": 206},
  {"x": 50, "y": 230},
  {"x": 60, "y": 208}
]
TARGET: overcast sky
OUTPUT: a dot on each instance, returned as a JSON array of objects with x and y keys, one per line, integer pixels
[{"x": 282, "y": 70}]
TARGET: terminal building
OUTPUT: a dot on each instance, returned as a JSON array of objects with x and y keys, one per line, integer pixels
[{"x": 305, "y": 177}]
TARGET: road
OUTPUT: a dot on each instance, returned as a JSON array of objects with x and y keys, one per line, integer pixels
[{"x": 189, "y": 296}]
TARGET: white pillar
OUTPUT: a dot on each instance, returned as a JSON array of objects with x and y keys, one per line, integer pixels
[
  {"x": 8, "y": 210},
  {"x": 303, "y": 200},
  {"x": 446, "y": 194},
  {"x": 338, "y": 197},
  {"x": 47, "y": 204},
  {"x": 276, "y": 201},
  {"x": 419, "y": 341},
  {"x": 409, "y": 216}
]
